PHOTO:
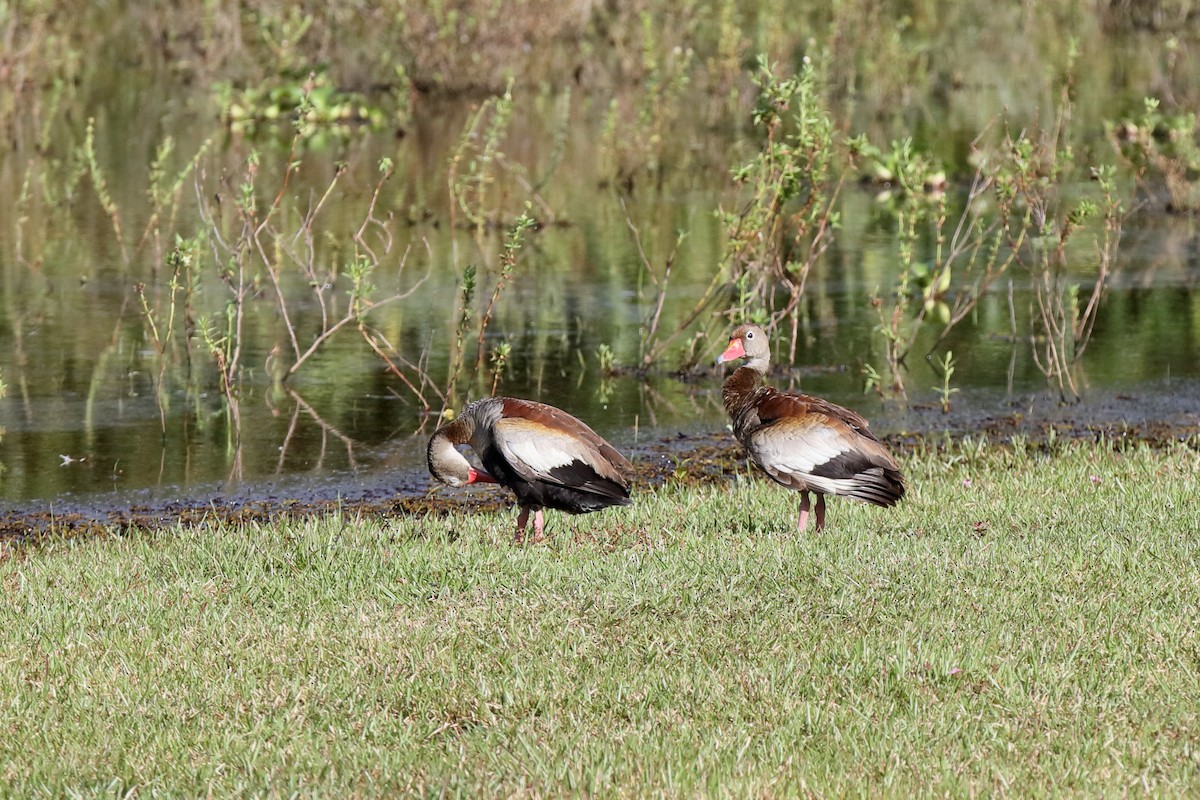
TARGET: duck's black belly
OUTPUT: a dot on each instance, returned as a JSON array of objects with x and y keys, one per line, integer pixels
[{"x": 578, "y": 490}]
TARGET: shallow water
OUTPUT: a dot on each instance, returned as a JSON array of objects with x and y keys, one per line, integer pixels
[
  {"x": 82, "y": 426},
  {"x": 81, "y": 417}
]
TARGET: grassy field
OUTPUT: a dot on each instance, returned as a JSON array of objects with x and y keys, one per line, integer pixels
[{"x": 1021, "y": 625}]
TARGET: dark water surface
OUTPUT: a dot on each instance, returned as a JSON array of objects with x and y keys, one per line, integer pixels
[{"x": 82, "y": 428}]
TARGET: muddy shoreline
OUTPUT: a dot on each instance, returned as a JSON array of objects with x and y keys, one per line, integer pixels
[{"x": 1155, "y": 418}]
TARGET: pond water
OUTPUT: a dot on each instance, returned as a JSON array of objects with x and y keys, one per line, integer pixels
[{"x": 86, "y": 425}]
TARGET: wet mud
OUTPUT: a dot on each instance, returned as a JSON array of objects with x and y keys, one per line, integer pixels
[{"x": 1156, "y": 419}]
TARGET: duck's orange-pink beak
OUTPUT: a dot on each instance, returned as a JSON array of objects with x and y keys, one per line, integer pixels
[
  {"x": 735, "y": 350},
  {"x": 479, "y": 476}
]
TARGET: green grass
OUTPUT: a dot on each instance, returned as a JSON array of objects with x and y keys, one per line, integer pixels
[{"x": 1021, "y": 625}]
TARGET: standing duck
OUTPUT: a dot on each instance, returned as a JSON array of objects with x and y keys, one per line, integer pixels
[
  {"x": 803, "y": 442},
  {"x": 547, "y": 457}
]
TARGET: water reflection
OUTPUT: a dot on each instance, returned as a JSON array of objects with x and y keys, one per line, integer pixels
[
  {"x": 90, "y": 409},
  {"x": 81, "y": 414},
  {"x": 75, "y": 429}
]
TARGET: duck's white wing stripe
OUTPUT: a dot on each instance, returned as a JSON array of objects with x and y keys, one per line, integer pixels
[
  {"x": 798, "y": 452},
  {"x": 538, "y": 448}
]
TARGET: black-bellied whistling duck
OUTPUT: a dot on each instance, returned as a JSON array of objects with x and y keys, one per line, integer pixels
[
  {"x": 547, "y": 457},
  {"x": 804, "y": 442}
]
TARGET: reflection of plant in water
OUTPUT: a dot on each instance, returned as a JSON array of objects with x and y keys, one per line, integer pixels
[
  {"x": 474, "y": 45},
  {"x": 327, "y": 430},
  {"x": 91, "y": 165},
  {"x": 609, "y": 368},
  {"x": 310, "y": 98},
  {"x": 641, "y": 129},
  {"x": 478, "y": 166},
  {"x": 607, "y": 359},
  {"x": 665, "y": 73},
  {"x": 476, "y": 163},
  {"x": 604, "y": 390}
]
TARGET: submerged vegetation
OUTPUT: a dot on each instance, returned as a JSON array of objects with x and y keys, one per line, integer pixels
[{"x": 287, "y": 194}]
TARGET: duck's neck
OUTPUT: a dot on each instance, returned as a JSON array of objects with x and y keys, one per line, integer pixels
[
  {"x": 460, "y": 430},
  {"x": 445, "y": 462},
  {"x": 738, "y": 388}
]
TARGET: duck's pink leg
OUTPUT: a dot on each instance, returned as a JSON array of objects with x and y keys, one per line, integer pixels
[
  {"x": 537, "y": 526},
  {"x": 820, "y": 513},
  {"x": 802, "y": 523}
]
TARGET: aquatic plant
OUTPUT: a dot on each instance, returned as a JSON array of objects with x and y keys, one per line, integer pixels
[
  {"x": 1064, "y": 321},
  {"x": 913, "y": 210},
  {"x": 466, "y": 297},
  {"x": 945, "y": 367},
  {"x": 652, "y": 342},
  {"x": 509, "y": 252},
  {"x": 901, "y": 171},
  {"x": 263, "y": 249},
  {"x": 1022, "y": 179},
  {"x": 1038, "y": 162},
  {"x": 784, "y": 221},
  {"x": 1163, "y": 150},
  {"x": 514, "y": 241},
  {"x": 359, "y": 269},
  {"x": 166, "y": 190},
  {"x": 944, "y": 270},
  {"x": 607, "y": 360},
  {"x": 498, "y": 359},
  {"x": 163, "y": 330},
  {"x": 1040, "y": 224}
]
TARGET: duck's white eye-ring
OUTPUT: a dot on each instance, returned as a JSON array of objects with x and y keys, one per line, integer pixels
[{"x": 749, "y": 334}]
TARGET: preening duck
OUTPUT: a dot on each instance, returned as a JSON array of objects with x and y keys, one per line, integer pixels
[{"x": 548, "y": 458}]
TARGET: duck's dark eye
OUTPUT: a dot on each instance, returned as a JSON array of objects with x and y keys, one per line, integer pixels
[{"x": 749, "y": 334}]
